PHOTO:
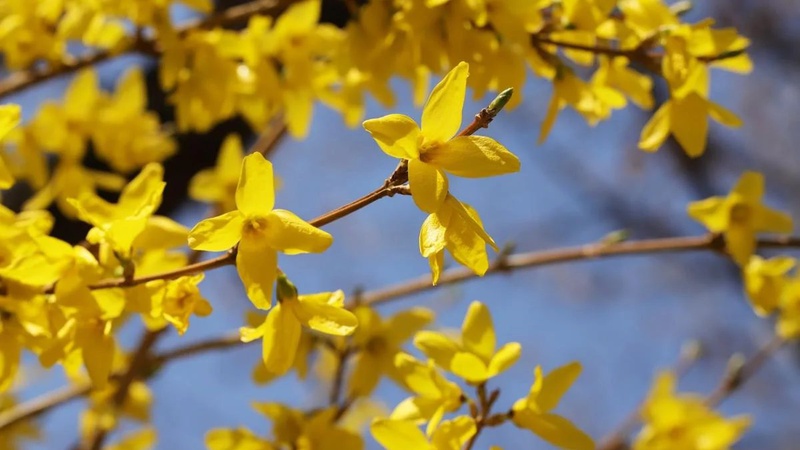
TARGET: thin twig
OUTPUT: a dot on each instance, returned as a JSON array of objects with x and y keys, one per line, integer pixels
[{"x": 734, "y": 379}]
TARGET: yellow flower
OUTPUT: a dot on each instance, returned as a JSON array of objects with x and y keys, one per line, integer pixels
[
  {"x": 473, "y": 358},
  {"x": 404, "y": 434},
  {"x": 260, "y": 231},
  {"x": 764, "y": 281},
  {"x": 741, "y": 215},
  {"x": 534, "y": 411},
  {"x": 143, "y": 439},
  {"x": 323, "y": 312},
  {"x": 788, "y": 325},
  {"x": 457, "y": 228},
  {"x": 431, "y": 150},
  {"x": 9, "y": 118},
  {"x": 684, "y": 421},
  {"x": 379, "y": 341},
  {"x": 434, "y": 396},
  {"x": 178, "y": 299},
  {"x": 218, "y": 184}
]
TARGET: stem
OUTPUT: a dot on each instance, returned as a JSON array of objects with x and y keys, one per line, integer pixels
[{"x": 734, "y": 379}]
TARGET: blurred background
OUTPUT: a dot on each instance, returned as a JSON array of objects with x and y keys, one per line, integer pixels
[{"x": 623, "y": 318}]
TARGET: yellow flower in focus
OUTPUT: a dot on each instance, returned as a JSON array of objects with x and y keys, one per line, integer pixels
[
  {"x": 323, "y": 312},
  {"x": 434, "y": 396},
  {"x": 741, "y": 215},
  {"x": 218, "y": 184},
  {"x": 764, "y": 281},
  {"x": 179, "y": 299},
  {"x": 431, "y": 150},
  {"x": 260, "y": 231},
  {"x": 534, "y": 411},
  {"x": 404, "y": 434},
  {"x": 379, "y": 341},
  {"x": 457, "y": 228},
  {"x": 684, "y": 421},
  {"x": 473, "y": 358}
]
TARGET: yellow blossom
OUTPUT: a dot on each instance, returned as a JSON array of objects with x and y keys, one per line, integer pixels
[
  {"x": 764, "y": 281},
  {"x": 534, "y": 411},
  {"x": 260, "y": 231},
  {"x": 473, "y": 358},
  {"x": 9, "y": 118},
  {"x": 431, "y": 150},
  {"x": 404, "y": 434},
  {"x": 218, "y": 184},
  {"x": 684, "y": 421},
  {"x": 741, "y": 215},
  {"x": 379, "y": 341}
]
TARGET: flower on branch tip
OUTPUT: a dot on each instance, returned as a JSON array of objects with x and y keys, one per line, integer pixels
[
  {"x": 534, "y": 411},
  {"x": 740, "y": 215},
  {"x": 764, "y": 281},
  {"x": 684, "y": 421},
  {"x": 405, "y": 434},
  {"x": 457, "y": 228},
  {"x": 323, "y": 312},
  {"x": 434, "y": 396},
  {"x": 432, "y": 150},
  {"x": 473, "y": 358},
  {"x": 260, "y": 231},
  {"x": 379, "y": 341}
]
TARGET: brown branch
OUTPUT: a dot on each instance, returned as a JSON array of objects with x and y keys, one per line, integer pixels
[
  {"x": 143, "y": 44},
  {"x": 738, "y": 376}
]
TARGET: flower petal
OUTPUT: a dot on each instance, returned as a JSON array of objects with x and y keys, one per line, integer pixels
[
  {"x": 554, "y": 429},
  {"x": 367, "y": 371},
  {"x": 9, "y": 118},
  {"x": 404, "y": 324},
  {"x": 428, "y": 185},
  {"x": 469, "y": 367},
  {"x": 656, "y": 129},
  {"x": 257, "y": 264},
  {"x": 326, "y": 318},
  {"x": 217, "y": 233},
  {"x": 255, "y": 194},
  {"x": 441, "y": 116},
  {"x": 473, "y": 157},
  {"x": 477, "y": 331},
  {"x": 396, "y": 134},
  {"x": 505, "y": 357},
  {"x": 556, "y": 383},
  {"x": 281, "y": 340},
  {"x": 453, "y": 434},
  {"x": 750, "y": 186},
  {"x": 398, "y": 434},
  {"x": 292, "y": 235},
  {"x": 773, "y": 221},
  {"x": 432, "y": 233},
  {"x": 712, "y": 212},
  {"x": 437, "y": 347}
]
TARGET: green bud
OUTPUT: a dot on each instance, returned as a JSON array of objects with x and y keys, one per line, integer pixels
[
  {"x": 500, "y": 101},
  {"x": 286, "y": 289}
]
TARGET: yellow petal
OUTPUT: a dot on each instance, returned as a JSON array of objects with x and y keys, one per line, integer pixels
[
  {"x": 712, "y": 212},
  {"x": 723, "y": 115},
  {"x": 281, "y": 340},
  {"x": 505, "y": 357},
  {"x": 740, "y": 241},
  {"x": 143, "y": 439},
  {"x": 236, "y": 439},
  {"x": 326, "y": 318},
  {"x": 6, "y": 178},
  {"x": 437, "y": 347},
  {"x": 143, "y": 192},
  {"x": 367, "y": 370},
  {"x": 217, "y": 233},
  {"x": 555, "y": 430},
  {"x": 689, "y": 123},
  {"x": 432, "y": 234},
  {"x": 292, "y": 235},
  {"x": 428, "y": 185},
  {"x": 453, "y": 434},
  {"x": 97, "y": 349},
  {"x": 229, "y": 160},
  {"x": 773, "y": 221},
  {"x": 206, "y": 187},
  {"x": 257, "y": 265},
  {"x": 469, "y": 367},
  {"x": 9, "y": 118},
  {"x": 556, "y": 383},
  {"x": 396, "y": 134},
  {"x": 161, "y": 232},
  {"x": 436, "y": 263},
  {"x": 404, "y": 324},
  {"x": 255, "y": 194},
  {"x": 549, "y": 119},
  {"x": 473, "y": 157},
  {"x": 656, "y": 129},
  {"x": 398, "y": 434},
  {"x": 750, "y": 186},
  {"x": 441, "y": 116},
  {"x": 477, "y": 331}
]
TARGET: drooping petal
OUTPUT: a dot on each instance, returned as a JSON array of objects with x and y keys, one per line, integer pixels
[
  {"x": 281, "y": 340},
  {"x": 218, "y": 233},
  {"x": 292, "y": 235},
  {"x": 656, "y": 129},
  {"x": 473, "y": 157},
  {"x": 255, "y": 194},
  {"x": 740, "y": 241},
  {"x": 428, "y": 185},
  {"x": 555, "y": 430},
  {"x": 257, "y": 264},
  {"x": 396, "y": 134},
  {"x": 689, "y": 123},
  {"x": 325, "y": 318},
  {"x": 441, "y": 115},
  {"x": 97, "y": 349},
  {"x": 477, "y": 331},
  {"x": 398, "y": 434},
  {"x": 436, "y": 263},
  {"x": 432, "y": 234}
]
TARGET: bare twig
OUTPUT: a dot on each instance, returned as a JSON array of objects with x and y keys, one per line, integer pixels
[{"x": 735, "y": 378}]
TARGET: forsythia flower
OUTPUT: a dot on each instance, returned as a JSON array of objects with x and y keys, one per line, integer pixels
[
  {"x": 684, "y": 421},
  {"x": 473, "y": 358},
  {"x": 533, "y": 412},
  {"x": 404, "y": 434},
  {"x": 741, "y": 215},
  {"x": 457, "y": 228},
  {"x": 323, "y": 312},
  {"x": 431, "y": 150},
  {"x": 9, "y": 118},
  {"x": 764, "y": 281},
  {"x": 260, "y": 231},
  {"x": 379, "y": 342},
  {"x": 788, "y": 325},
  {"x": 218, "y": 184}
]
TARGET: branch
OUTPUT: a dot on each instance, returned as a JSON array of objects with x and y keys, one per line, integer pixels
[
  {"x": 228, "y": 17},
  {"x": 739, "y": 375}
]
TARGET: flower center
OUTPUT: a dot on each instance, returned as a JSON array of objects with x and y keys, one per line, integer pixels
[
  {"x": 741, "y": 213},
  {"x": 377, "y": 345},
  {"x": 255, "y": 225}
]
